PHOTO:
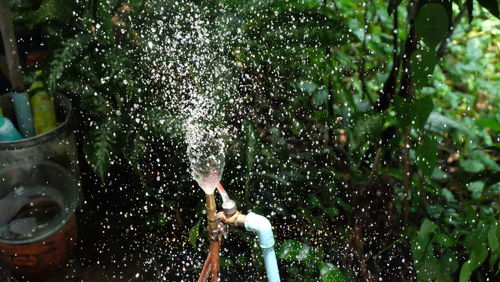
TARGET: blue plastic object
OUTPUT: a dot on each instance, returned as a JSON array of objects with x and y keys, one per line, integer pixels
[
  {"x": 23, "y": 114},
  {"x": 261, "y": 225},
  {"x": 7, "y": 131}
]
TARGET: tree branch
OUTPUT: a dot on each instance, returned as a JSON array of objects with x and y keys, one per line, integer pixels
[
  {"x": 444, "y": 43},
  {"x": 10, "y": 45},
  {"x": 406, "y": 175},
  {"x": 362, "y": 70}
]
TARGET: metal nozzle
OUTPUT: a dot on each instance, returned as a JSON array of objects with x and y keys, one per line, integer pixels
[{"x": 229, "y": 208}]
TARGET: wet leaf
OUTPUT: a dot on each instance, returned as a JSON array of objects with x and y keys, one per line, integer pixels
[
  {"x": 426, "y": 154},
  {"x": 194, "y": 233},
  {"x": 432, "y": 24},
  {"x": 444, "y": 240},
  {"x": 294, "y": 250},
  {"x": 422, "y": 63},
  {"x": 331, "y": 273}
]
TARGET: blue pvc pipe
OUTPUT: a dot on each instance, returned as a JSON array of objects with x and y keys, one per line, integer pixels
[{"x": 261, "y": 225}]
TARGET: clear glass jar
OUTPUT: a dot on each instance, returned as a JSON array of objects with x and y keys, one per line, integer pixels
[{"x": 57, "y": 145}]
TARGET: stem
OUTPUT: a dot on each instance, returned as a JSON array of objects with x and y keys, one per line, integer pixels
[
  {"x": 10, "y": 45},
  {"x": 389, "y": 89},
  {"x": 204, "y": 271},
  {"x": 395, "y": 40},
  {"x": 362, "y": 71},
  {"x": 444, "y": 43},
  {"x": 406, "y": 174},
  {"x": 330, "y": 99},
  {"x": 376, "y": 163}
]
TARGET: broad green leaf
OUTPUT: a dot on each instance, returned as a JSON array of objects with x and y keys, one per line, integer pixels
[
  {"x": 331, "y": 273},
  {"x": 485, "y": 159},
  {"x": 490, "y": 123},
  {"x": 449, "y": 262},
  {"x": 476, "y": 188},
  {"x": 403, "y": 108},
  {"x": 427, "y": 228},
  {"x": 471, "y": 165},
  {"x": 413, "y": 113},
  {"x": 477, "y": 256},
  {"x": 422, "y": 63},
  {"x": 440, "y": 123},
  {"x": 294, "y": 250},
  {"x": 432, "y": 24},
  {"x": 194, "y": 233},
  {"x": 421, "y": 111},
  {"x": 449, "y": 196},
  {"x": 444, "y": 240},
  {"x": 492, "y": 237},
  {"x": 426, "y": 154}
]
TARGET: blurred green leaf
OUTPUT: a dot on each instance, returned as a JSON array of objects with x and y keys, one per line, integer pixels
[
  {"x": 476, "y": 188},
  {"x": 421, "y": 111},
  {"x": 294, "y": 250},
  {"x": 444, "y": 240},
  {"x": 426, "y": 154},
  {"x": 422, "y": 63},
  {"x": 331, "y": 273},
  {"x": 477, "y": 256},
  {"x": 320, "y": 97},
  {"x": 53, "y": 10},
  {"x": 492, "y": 236},
  {"x": 427, "y": 228},
  {"x": 432, "y": 24},
  {"x": 489, "y": 122},
  {"x": 471, "y": 165}
]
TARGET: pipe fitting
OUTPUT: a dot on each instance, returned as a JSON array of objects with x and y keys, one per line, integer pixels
[
  {"x": 229, "y": 208},
  {"x": 261, "y": 225},
  {"x": 211, "y": 213}
]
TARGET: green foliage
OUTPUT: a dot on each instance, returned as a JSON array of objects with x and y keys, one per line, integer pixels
[
  {"x": 317, "y": 66},
  {"x": 297, "y": 253},
  {"x": 194, "y": 233}
]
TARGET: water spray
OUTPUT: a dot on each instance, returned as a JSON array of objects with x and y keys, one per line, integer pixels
[{"x": 230, "y": 215}]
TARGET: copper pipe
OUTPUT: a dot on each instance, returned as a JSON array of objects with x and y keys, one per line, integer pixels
[
  {"x": 204, "y": 271},
  {"x": 214, "y": 253}
]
